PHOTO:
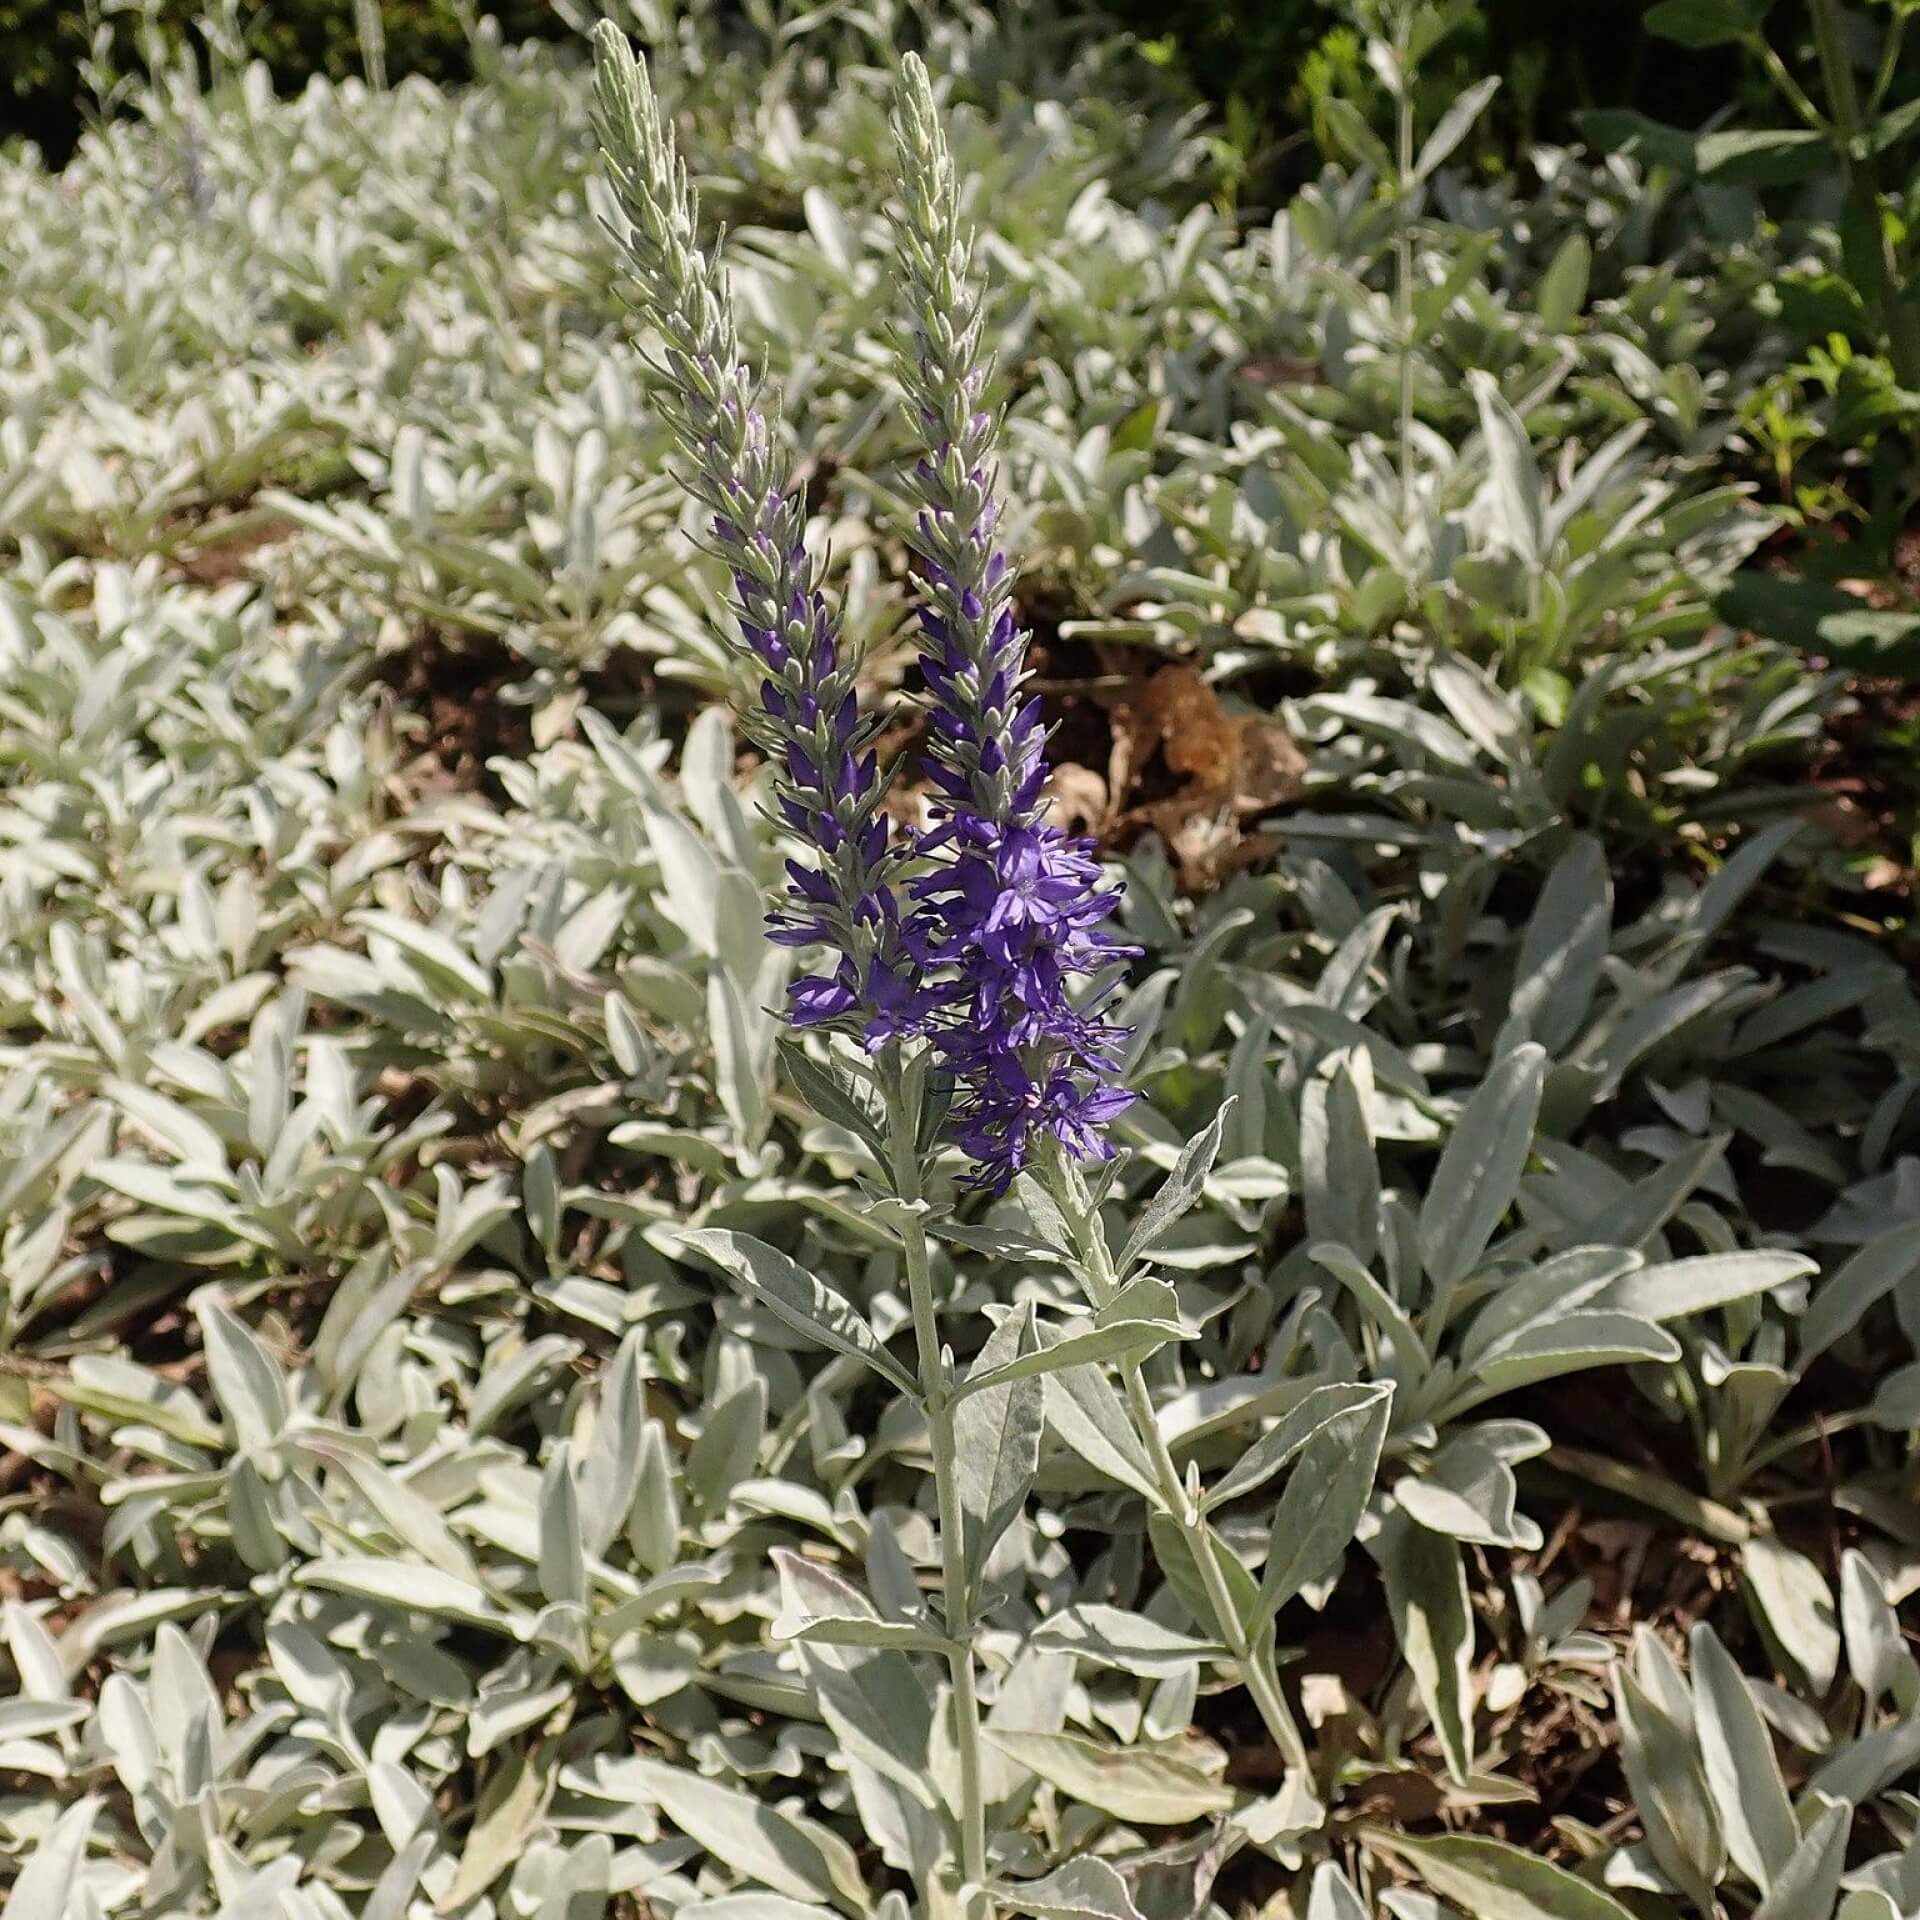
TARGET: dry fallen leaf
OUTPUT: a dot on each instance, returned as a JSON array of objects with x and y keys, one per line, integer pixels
[{"x": 1233, "y": 766}]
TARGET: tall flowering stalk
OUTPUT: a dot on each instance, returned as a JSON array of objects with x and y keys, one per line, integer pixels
[
  {"x": 1015, "y": 909},
  {"x": 1012, "y": 909},
  {"x": 807, "y": 715},
  {"x": 1011, "y": 913},
  {"x": 830, "y": 789}
]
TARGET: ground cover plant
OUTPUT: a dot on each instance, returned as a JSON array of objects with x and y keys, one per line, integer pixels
[{"x": 511, "y": 1408}]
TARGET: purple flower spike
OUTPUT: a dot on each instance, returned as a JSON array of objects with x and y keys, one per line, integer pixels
[{"x": 1013, "y": 913}]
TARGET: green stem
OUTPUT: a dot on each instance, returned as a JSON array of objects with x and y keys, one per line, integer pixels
[
  {"x": 1256, "y": 1668},
  {"x": 1708, "y": 1518},
  {"x": 1808, "y": 1436},
  {"x": 937, "y": 1392},
  {"x": 1790, "y": 89}
]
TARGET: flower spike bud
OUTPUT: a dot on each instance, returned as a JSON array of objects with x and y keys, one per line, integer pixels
[{"x": 829, "y": 789}]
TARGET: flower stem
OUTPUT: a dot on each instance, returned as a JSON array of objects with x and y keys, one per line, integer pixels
[
  {"x": 937, "y": 1394},
  {"x": 1252, "y": 1656}
]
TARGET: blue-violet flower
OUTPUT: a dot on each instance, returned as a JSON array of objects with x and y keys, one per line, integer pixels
[{"x": 1012, "y": 906}]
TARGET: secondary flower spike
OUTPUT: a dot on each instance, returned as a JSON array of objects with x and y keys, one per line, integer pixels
[
  {"x": 1013, "y": 907},
  {"x": 830, "y": 789}
]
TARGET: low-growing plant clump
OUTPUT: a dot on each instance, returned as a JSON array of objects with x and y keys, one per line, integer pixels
[{"x": 1377, "y": 1377}]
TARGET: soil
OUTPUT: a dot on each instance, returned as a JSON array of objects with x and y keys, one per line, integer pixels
[{"x": 457, "y": 690}]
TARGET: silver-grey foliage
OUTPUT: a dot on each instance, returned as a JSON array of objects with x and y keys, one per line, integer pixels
[{"x": 405, "y": 1513}]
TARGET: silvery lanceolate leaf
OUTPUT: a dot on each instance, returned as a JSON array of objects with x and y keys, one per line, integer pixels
[
  {"x": 1479, "y": 1171},
  {"x": 186, "y": 1710},
  {"x": 1427, "y": 1598},
  {"x": 250, "y": 1513},
  {"x": 1564, "y": 945},
  {"x": 653, "y": 1525},
  {"x": 1003, "y": 1243},
  {"x": 1562, "y": 1284},
  {"x": 1707, "y": 911},
  {"x": 787, "y": 1852},
  {"x": 1454, "y": 125},
  {"x": 1084, "y": 1410},
  {"x": 36, "y": 1659},
  {"x": 1349, "y": 127},
  {"x": 1177, "y": 1192},
  {"x": 1277, "y": 1447},
  {"x": 24, "y": 1720},
  {"x": 414, "y": 1520},
  {"x": 609, "y": 1470},
  {"x": 122, "y": 1391},
  {"x": 826, "y": 1092},
  {"x": 1153, "y": 1789},
  {"x": 1657, "y": 1022},
  {"x": 1742, "y": 1773},
  {"x": 394, "y": 1890},
  {"x": 1387, "y": 1313},
  {"x": 796, "y": 1297},
  {"x": 1514, "y": 483},
  {"x": 1571, "y": 1343},
  {"x": 1657, "y": 1673},
  {"x": 1340, "y": 1176},
  {"x": 1877, "y": 1654},
  {"x": 997, "y": 1431},
  {"x": 1676, "y": 1288},
  {"x": 1871, "y": 1763},
  {"x": 1084, "y": 1889},
  {"x": 1111, "y": 1637},
  {"x": 743, "y": 1039},
  {"x": 1177, "y": 1549},
  {"x": 1793, "y": 1606},
  {"x": 1469, "y": 1492},
  {"x": 1333, "y": 1897},
  {"x": 1325, "y": 1497},
  {"x": 181, "y": 1132},
  {"x": 369, "y": 1300},
  {"x": 47, "y": 1879},
  {"x": 517, "y": 1377},
  {"x": 1494, "y": 1881},
  {"x": 1809, "y": 1883},
  {"x": 1670, "y": 1793},
  {"x": 119, "y": 1616},
  {"x": 1563, "y": 292},
  {"x": 1633, "y": 1217},
  {"x": 879, "y": 1709},
  {"x": 728, "y": 1446},
  {"x": 412, "y": 1589},
  {"x": 1143, "y": 1316},
  {"x": 563, "y": 1552},
  {"x": 1843, "y": 1298},
  {"x": 817, "y": 1604}
]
